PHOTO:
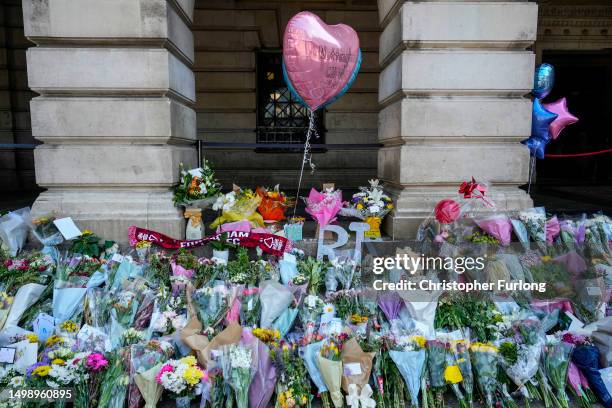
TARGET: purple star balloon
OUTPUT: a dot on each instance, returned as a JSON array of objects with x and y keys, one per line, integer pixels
[{"x": 564, "y": 118}]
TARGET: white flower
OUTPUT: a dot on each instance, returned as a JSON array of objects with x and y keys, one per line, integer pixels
[
  {"x": 374, "y": 209},
  {"x": 240, "y": 357}
]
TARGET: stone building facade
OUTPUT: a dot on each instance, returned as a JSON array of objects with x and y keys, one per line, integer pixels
[{"x": 118, "y": 91}]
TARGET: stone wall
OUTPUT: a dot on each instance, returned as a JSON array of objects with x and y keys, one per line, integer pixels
[
  {"x": 16, "y": 166},
  {"x": 227, "y": 36}
]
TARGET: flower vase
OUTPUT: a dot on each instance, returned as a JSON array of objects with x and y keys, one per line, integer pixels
[
  {"x": 183, "y": 402},
  {"x": 223, "y": 255},
  {"x": 374, "y": 231}
]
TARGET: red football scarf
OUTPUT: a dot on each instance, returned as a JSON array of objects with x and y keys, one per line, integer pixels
[{"x": 270, "y": 243}]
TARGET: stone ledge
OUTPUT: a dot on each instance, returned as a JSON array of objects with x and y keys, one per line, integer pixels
[
  {"x": 110, "y": 212},
  {"x": 149, "y": 22},
  {"x": 85, "y": 71},
  {"x": 453, "y": 163},
  {"x": 119, "y": 120},
  {"x": 455, "y": 117},
  {"x": 465, "y": 72},
  {"x": 501, "y": 25},
  {"x": 110, "y": 165}
]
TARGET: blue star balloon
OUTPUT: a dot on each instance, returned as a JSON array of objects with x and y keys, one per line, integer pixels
[
  {"x": 536, "y": 146},
  {"x": 543, "y": 80},
  {"x": 541, "y": 120}
]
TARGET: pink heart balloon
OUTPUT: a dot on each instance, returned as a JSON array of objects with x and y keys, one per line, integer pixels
[{"x": 320, "y": 60}]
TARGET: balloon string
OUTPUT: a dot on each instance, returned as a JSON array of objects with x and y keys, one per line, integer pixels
[
  {"x": 307, "y": 157},
  {"x": 531, "y": 171}
]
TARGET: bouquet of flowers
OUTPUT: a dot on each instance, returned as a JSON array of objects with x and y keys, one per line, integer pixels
[
  {"x": 556, "y": 359},
  {"x": 535, "y": 223},
  {"x": 436, "y": 363},
  {"x": 238, "y": 205},
  {"x": 330, "y": 366},
  {"x": 323, "y": 206},
  {"x": 250, "y": 306},
  {"x": 211, "y": 304},
  {"x": 485, "y": 359},
  {"x": 273, "y": 203},
  {"x": 459, "y": 351},
  {"x": 239, "y": 374},
  {"x": 409, "y": 354},
  {"x": 196, "y": 185},
  {"x": 372, "y": 204},
  {"x": 47, "y": 234},
  {"x": 293, "y": 387},
  {"x": 181, "y": 378}
]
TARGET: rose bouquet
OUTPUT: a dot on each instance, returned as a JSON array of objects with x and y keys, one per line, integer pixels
[
  {"x": 238, "y": 205},
  {"x": 196, "y": 185},
  {"x": 141, "y": 358},
  {"x": 181, "y": 378}
]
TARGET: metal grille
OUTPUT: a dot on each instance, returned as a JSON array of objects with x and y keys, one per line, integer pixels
[{"x": 280, "y": 117}]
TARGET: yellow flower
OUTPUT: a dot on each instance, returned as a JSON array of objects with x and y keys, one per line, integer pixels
[
  {"x": 53, "y": 340},
  {"x": 390, "y": 205},
  {"x": 69, "y": 326},
  {"x": 452, "y": 374},
  {"x": 41, "y": 371},
  {"x": 193, "y": 375},
  {"x": 546, "y": 259},
  {"x": 189, "y": 360},
  {"x": 58, "y": 361},
  {"x": 304, "y": 400},
  {"x": 32, "y": 338},
  {"x": 87, "y": 232},
  {"x": 483, "y": 348},
  {"x": 420, "y": 341}
]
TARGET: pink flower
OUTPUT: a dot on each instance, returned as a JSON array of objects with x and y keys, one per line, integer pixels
[
  {"x": 165, "y": 369},
  {"x": 250, "y": 291},
  {"x": 96, "y": 362},
  {"x": 206, "y": 376}
]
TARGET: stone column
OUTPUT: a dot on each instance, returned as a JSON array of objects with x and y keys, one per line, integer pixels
[
  {"x": 452, "y": 94},
  {"x": 115, "y": 109}
]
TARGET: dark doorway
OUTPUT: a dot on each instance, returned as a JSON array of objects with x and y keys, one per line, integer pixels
[
  {"x": 585, "y": 79},
  {"x": 581, "y": 183}
]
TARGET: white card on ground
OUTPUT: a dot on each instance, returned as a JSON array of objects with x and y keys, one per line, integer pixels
[
  {"x": 68, "y": 228},
  {"x": 7, "y": 355},
  {"x": 352, "y": 369}
]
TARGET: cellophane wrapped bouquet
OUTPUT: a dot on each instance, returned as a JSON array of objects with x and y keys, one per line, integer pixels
[
  {"x": 323, "y": 206},
  {"x": 372, "y": 205},
  {"x": 238, "y": 205},
  {"x": 273, "y": 204},
  {"x": 197, "y": 186}
]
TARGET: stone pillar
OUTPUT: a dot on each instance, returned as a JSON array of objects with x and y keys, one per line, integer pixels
[
  {"x": 115, "y": 109},
  {"x": 452, "y": 95}
]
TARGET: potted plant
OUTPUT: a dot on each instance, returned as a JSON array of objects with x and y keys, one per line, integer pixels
[{"x": 221, "y": 247}]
